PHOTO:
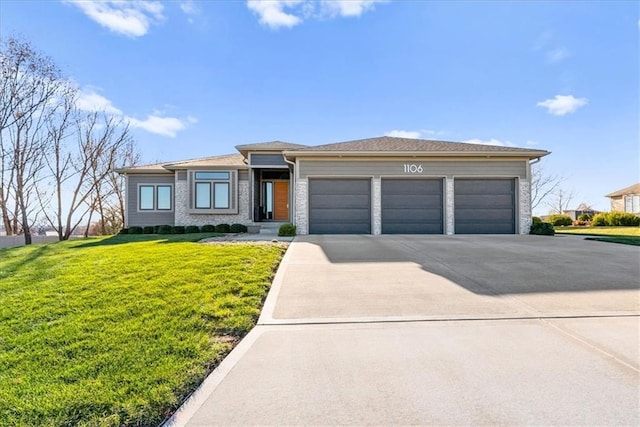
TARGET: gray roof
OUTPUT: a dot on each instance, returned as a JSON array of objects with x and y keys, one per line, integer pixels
[
  {"x": 224, "y": 160},
  {"x": 389, "y": 144},
  {"x": 269, "y": 146},
  {"x": 632, "y": 189}
]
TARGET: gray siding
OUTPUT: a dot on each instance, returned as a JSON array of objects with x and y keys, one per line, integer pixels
[
  {"x": 491, "y": 168},
  {"x": 267, "y": 160},
  {"x": 243, "y": 175},
  {"x": 148, "y": 218}
]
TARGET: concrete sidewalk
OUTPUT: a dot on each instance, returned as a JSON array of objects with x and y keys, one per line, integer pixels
[{"x": 387, "y": 330}]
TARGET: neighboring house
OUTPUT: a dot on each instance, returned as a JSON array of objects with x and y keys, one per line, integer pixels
[
  {"x": 626, "y": 200},
  {"x": 574, "y": 214},
  {"x": 376, "y": 186}
]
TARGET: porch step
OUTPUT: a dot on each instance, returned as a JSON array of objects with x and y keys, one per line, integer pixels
[{"x": 270, "y": 228}]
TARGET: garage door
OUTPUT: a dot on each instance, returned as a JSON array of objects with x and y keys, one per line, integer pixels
[
  {"x": 485, "y": 206},
  {"x": 339, "y": 206},
  {"x": 412, "y": 206}
]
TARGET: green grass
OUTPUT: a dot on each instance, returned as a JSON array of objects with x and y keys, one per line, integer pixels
[
  {"x": 624, "y": 235},
  {"x": 118, "y": 331}
]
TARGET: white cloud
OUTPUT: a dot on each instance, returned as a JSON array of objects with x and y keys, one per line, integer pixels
[
  {"x": 191, "y": 9},
  {"x": 289, "y": 13},
  {"x": 562, "y": 104},
  {"x": 166, "y": 126},
  {"x": 557, "y": 55},
  {"x": 90, "y": 100},
  {"x": 272, "y": 14},
  {"x": 491, "y": 141},
  {"x": 348, "y": 7},
  {"x": 404, "y": 134},
  {"x": 157, "y": 122},
  {"x": 126, "y": 17}
]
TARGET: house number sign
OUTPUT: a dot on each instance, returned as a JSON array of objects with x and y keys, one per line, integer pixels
[{"x": 412, "y": 168}]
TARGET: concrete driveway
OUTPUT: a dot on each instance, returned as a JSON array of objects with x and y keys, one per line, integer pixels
[{"x": 446, "y": 330}]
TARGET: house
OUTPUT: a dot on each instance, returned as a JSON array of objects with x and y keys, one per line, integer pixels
[
  {"x": 626, "y": 200},
  {"x": 382, "y": 185}
]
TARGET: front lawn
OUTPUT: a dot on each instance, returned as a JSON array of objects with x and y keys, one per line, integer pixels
[
  {"x": 625, "y": 235},
  {"x": 118, "y": 331}
]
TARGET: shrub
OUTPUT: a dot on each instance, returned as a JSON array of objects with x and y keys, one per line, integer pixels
[
  {"x": 559, "y": 220},
  {"x": 599, "y": 220},
  {"x": 156, "y": 229},
  {"x": 149, "y": 229},
  {"x": 580, "y": 223},
  {"x": 164, "y": 229},
  {"x": 287, "y": 230},
  {"x": 177, "y": 229},
  {"x": 123, "y": 231},
  {"x": 536, "y": 220},
  {"x": 625, "y": 219},
  {"x": 192, "y": 229},
  {"x": 542, "y": 229},
  {"x": 208, "y": 228},
  {"x": 135, "y": 230},
  {"x": 238, "y": 228},
  {"x": 223, "y": 228},
  {"x": 585, "y": 217}
]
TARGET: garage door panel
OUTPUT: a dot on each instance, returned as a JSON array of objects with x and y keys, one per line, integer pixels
[
  {"x": 339, "y": 206},
  {"x": 484, "y": 206},
  {"x": 398, "y": 215},
  {"x": 412, "y": 206},
  {"x": 475, "y": 200},
  {"x": 328, "y": 215},
  {"x": 412, "y": 228},
  {"x": 414, "y": 201},
  {"x": 340, "y": 186},
  {"x": 484, "y": 186},
  {"x": 343, "y": 201}
]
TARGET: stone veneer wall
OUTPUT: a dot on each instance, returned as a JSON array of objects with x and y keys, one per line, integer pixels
[
  {"x": 525, "y": 205},
  {"x": 302, "y": 225},
  {"x": 376, "y": 198},
  {"x": 183, "y": 217},
  {"x": 450, "y": 224}
]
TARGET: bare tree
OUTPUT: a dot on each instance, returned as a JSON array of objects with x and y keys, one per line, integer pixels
[
  {"x": 543, "y": 184},
  {"x": 129, "y": 156},
  {"x": 560, "y": 202},
  {"x": 29, "y": 84},
  {"x": 100, "y": 140}
]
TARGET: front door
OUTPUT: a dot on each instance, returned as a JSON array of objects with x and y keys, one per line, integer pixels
[{"x": 281, "y": 200}]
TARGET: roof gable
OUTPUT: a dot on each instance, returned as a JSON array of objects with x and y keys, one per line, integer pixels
[{"x": 632, "y": 189}]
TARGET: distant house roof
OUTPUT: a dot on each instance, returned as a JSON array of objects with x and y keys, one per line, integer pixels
[
  {"x": 385, "y": 145},
  {"x": 632, "y": 189}
]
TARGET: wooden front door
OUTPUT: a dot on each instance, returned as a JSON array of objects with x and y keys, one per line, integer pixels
[{"x": 281, "y": 200}]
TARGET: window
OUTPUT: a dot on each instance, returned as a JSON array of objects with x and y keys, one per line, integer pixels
[
  {"x": 212, "y": 175},
  {"x": 212, "y": 190},
  {"x": 203, "y": 195},
  {"x": 146, "y": 197},
  {"x": 632, "y": 204},
  {"x": 155, "y": 198},
  {"x": 221, "y": 192}
]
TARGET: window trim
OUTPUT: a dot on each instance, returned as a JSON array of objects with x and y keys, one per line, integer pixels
[
  {"x": 155, "y": 198},
  {"x": 232, "y": 191}
]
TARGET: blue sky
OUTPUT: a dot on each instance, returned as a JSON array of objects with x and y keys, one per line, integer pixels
[{"x": 197, "y": 78}]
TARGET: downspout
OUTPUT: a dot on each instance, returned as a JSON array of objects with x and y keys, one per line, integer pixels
[{"x": 293, "y": 190}]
